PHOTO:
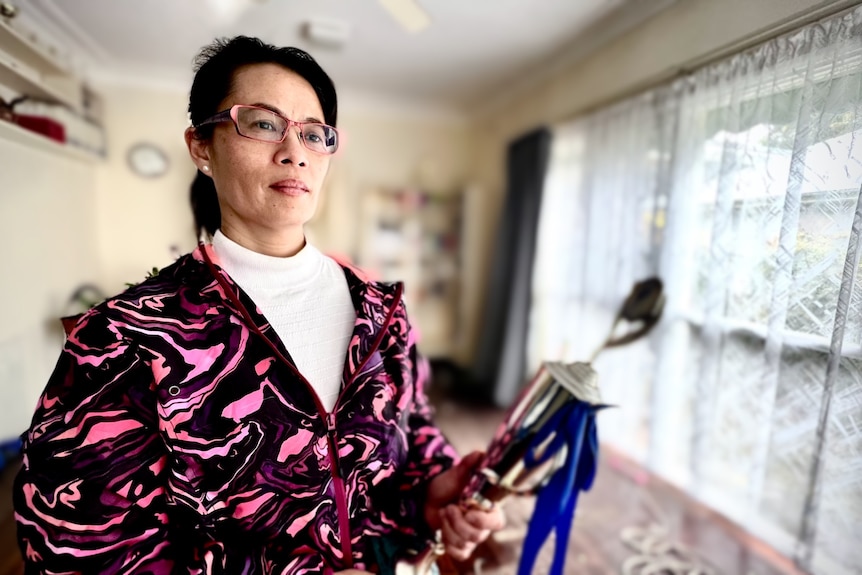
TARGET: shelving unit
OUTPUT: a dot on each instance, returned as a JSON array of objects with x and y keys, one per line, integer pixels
[
  {"x": 12, "y": 133},
  {"x": 29, "y": 52},
  {"x": 30, "y": 66},
  {"x": 15, "y": 77},
  {"x": 414, "y": 236},
  {"x": 33, "y": 69}
]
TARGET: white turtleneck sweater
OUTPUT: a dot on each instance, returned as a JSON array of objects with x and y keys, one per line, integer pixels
[{"x": 306, "y": 300}]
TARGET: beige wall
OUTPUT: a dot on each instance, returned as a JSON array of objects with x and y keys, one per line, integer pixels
[
  {"x": 389, "y": 143},
  {"x": 684, "y": 35},
  {"x": 47, "y": 230},
  {"x": 140, "y": 220},
  {"x": 687, "y": 33},
  {"x": 385, "y": 149},
  {"x": 425, "y": 149},
  {"x": 64, "y": 222}
]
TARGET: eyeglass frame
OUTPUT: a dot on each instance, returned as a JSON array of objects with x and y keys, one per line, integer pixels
[{"x": 231, "y": 114}]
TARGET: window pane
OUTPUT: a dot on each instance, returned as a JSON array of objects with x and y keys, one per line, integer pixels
[{"x": 793, "y": 437}]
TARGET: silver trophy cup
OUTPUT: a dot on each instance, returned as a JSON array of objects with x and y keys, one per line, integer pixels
[{"x": 503, "y": 471}]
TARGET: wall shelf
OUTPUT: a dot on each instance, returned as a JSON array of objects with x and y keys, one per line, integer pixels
[
  {"x": 13, "y": 133},
  {"x": 32, "y": 69},
  {"x": 29, "y": 52},
  {"x": 18, "y": 79}
]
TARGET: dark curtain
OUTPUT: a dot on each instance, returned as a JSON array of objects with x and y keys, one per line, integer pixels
[{"x": 498, "y": 370}]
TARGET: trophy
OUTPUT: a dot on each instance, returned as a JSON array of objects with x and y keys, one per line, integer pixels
[{"x": 538, "y": 446}]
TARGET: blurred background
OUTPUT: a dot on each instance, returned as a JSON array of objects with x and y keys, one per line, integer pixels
[{"x": 519, "y": 164}]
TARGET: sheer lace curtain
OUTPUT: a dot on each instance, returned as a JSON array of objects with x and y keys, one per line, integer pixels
[{"x": 741, "y": 187}]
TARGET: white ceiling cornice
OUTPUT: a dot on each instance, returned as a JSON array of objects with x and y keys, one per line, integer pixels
[
  {"x": 606, "y": 30},
  {"x": 473, "y": 60}
]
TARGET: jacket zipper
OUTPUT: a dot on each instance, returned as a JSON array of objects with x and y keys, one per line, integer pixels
[
  {"x": 340, "y": 493},
  {"x": 329, "y": 418}
]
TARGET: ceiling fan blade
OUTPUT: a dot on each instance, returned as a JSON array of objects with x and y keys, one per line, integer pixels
[
  {"x": 408, "y": 13},
  {"x": 227, "y": 12}
]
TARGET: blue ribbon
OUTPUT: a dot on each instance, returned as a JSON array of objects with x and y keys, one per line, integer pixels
[{"x": 574, "y": 426}]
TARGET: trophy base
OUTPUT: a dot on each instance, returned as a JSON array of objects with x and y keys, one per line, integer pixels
[{"x": 424, "y": 563}]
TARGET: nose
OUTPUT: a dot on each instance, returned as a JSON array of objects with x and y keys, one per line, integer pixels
[{"x": 292, "y": 150}]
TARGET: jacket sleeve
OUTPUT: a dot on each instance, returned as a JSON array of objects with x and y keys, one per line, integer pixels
[
  {"x": 90, "y": 497},
  {"x": 430, "y": 453}
]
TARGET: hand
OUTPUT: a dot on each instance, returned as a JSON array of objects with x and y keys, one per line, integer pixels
[{"x": 462, "y": 530}]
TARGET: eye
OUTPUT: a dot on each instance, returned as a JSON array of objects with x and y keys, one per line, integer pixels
[
  {"x": 315, "y": 134},
  {"x": 264, "y": 125}
]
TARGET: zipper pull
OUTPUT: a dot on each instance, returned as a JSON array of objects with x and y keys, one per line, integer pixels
[{"x": 333, "y": 444}]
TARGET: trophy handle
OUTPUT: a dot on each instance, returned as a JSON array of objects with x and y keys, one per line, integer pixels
[{"x": 645, "y": 303}]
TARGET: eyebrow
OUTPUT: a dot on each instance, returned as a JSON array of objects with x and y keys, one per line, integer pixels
[{"x": 280, "y": 113}]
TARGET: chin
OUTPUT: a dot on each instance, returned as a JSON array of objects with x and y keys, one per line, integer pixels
[{"x": 293, "y": 220}]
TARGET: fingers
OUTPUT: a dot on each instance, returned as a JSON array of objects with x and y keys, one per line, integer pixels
[
  {"x": 462, "y": 532},
  {"x": 492, "y": 520},
  {"x": 447, "y": 487},
  {"x": 471, "y": 460},
  {"x": 459, "y": 537}
]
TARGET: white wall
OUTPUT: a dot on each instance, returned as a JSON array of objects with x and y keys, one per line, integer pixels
[
  {"x": 140, "y": 220},
  {"x": 63, "y": 223},
  {"x": 48, "y": 239},
  {"x": 388, "y": 147},
  {"x": 684, "y": 34},
  {"x": 681, "y": 36},
  {"x": 385, "y": 148}
]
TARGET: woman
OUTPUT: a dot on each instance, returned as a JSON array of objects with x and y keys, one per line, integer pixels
[{"x": 206, "y": 420}]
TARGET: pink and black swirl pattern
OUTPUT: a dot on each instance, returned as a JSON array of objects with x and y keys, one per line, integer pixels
[{"x": 176, "y": 436}]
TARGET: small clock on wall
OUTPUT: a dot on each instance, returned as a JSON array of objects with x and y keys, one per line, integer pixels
[{"x": 147, "y": 160}]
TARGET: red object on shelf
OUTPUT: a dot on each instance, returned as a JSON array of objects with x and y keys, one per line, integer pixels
[{"x": 41, "y": 125}]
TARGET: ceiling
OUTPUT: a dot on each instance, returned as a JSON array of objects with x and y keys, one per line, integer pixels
[{"x": 472, "y": 51}]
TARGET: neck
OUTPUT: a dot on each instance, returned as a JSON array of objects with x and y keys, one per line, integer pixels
[{"x": 280, "y": 244}]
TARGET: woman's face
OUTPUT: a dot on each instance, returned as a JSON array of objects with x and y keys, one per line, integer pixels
[{"x": 267, "y": 191}]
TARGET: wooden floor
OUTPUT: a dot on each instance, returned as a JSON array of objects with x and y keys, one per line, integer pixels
[{"x": 629, "y": 523}]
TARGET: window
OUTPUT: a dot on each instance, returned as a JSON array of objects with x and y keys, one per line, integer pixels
[{"x": 739, "y": 186}]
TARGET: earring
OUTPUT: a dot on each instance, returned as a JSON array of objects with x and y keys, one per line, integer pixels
[{"x": 206, "y": 168}]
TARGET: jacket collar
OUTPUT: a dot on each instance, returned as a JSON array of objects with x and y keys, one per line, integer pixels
[{"x": 374, "y": 302}]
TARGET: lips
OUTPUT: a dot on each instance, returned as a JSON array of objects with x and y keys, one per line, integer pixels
[{"x": 290, "y": 187}]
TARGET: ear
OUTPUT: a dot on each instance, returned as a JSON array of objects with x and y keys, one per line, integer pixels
[{"x": 199, "y": 150}]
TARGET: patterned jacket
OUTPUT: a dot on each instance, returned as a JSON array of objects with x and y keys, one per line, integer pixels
[{"x": 176, "y": 435}]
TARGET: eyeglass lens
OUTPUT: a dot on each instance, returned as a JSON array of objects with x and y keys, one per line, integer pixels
[{"x": 261, "y": 124}]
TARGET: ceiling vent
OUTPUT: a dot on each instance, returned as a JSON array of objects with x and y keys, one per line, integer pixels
[{"x": 328, "y": 33}]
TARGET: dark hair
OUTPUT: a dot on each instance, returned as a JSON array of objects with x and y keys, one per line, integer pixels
[{"x": 214, "y": 68}]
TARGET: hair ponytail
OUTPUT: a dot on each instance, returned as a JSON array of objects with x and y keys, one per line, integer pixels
[{"x": 205, "y": 208}]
